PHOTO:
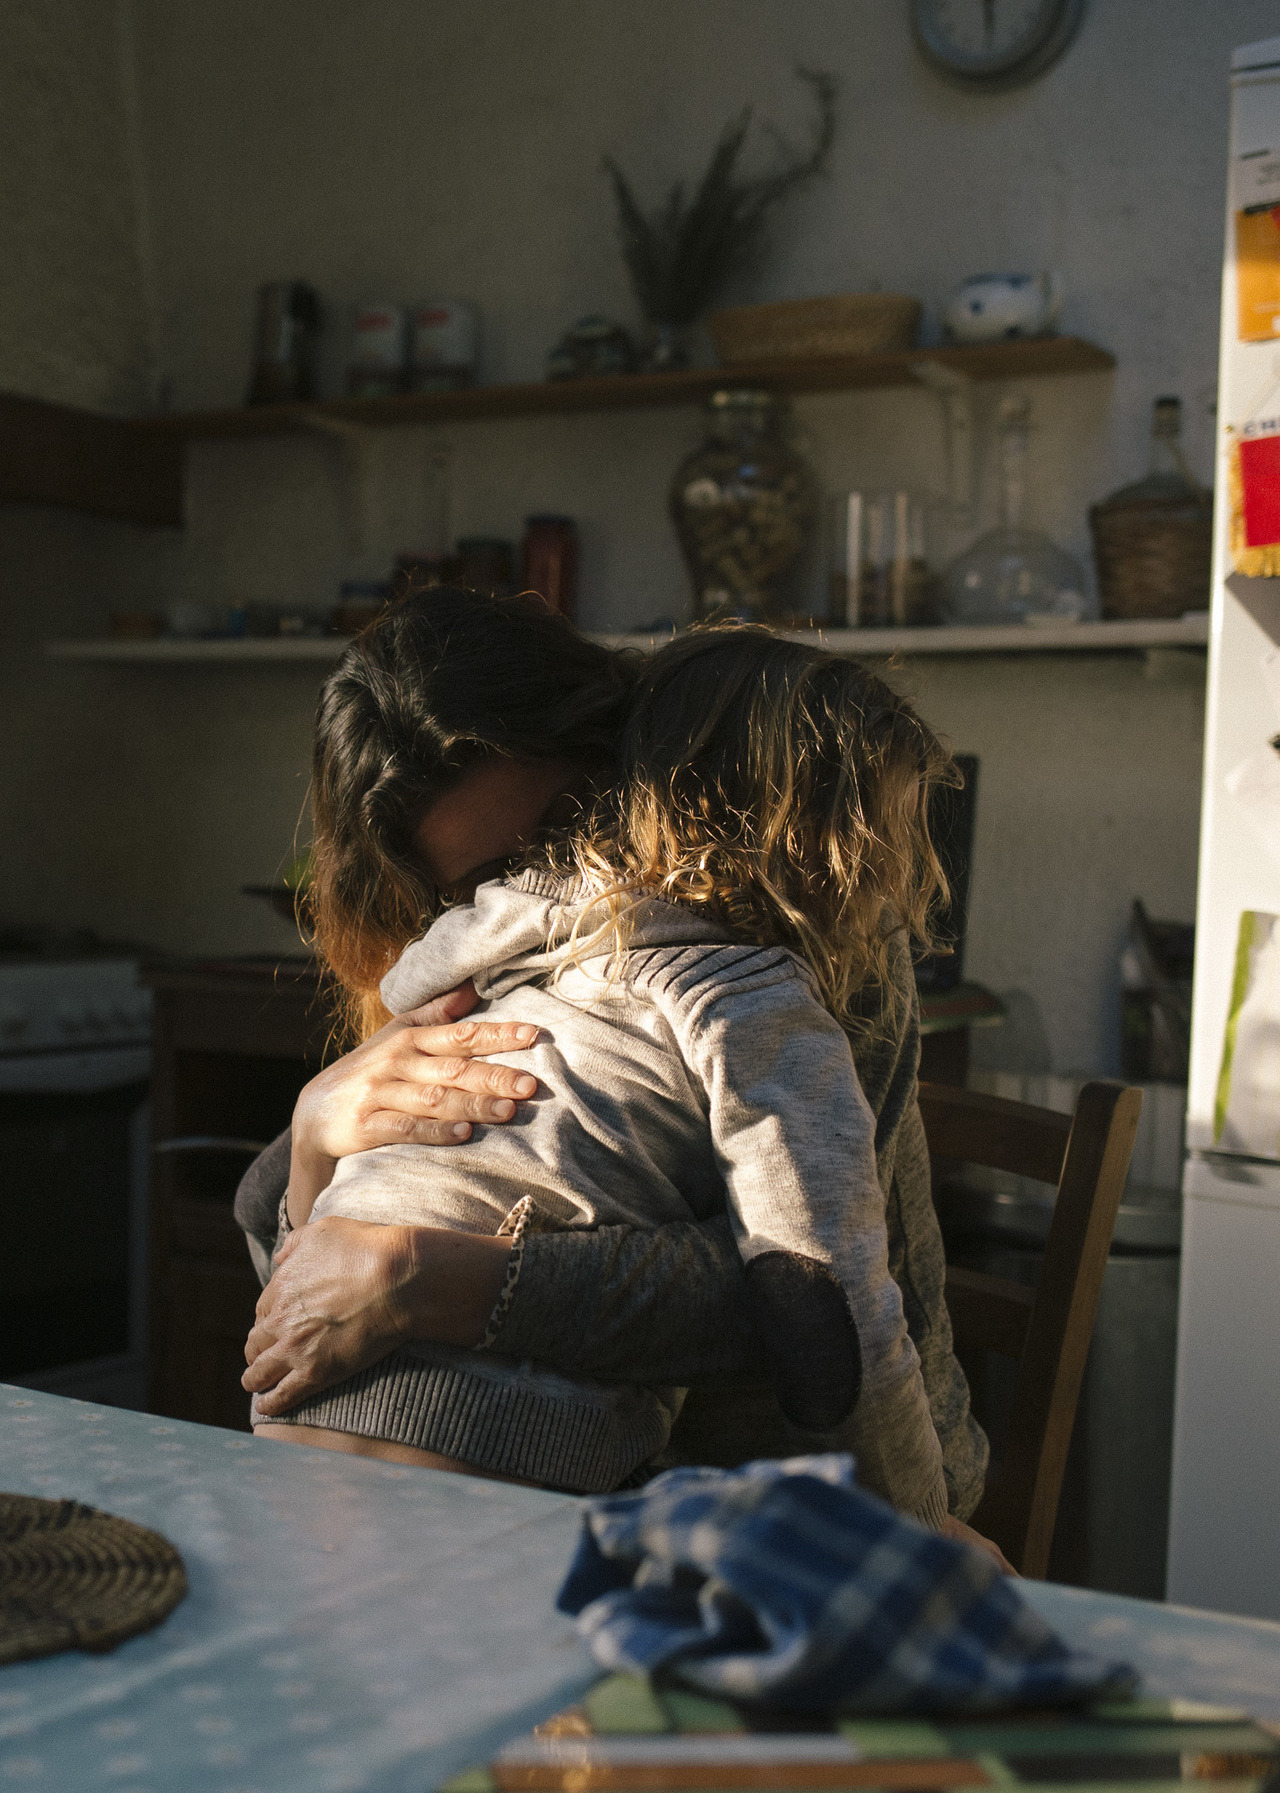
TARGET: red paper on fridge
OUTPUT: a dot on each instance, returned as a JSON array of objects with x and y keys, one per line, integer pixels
[
  {"x": 1253, "y": 469},
  {"x": 1260, "y": 490}
]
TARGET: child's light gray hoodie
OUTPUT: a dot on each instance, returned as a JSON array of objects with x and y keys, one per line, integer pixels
[{"x": 698, "y": 1065}]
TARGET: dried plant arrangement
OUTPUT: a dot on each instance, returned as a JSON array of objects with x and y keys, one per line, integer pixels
[{"x": 680, "y": 256}]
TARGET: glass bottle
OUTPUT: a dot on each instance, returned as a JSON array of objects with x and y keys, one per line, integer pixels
[
  {"x": 743, "y": 507},
  {"x": 1169, "y": 475},
  {"x": 1013, "y": 574},
  {"x": 1153, "y": 540}
]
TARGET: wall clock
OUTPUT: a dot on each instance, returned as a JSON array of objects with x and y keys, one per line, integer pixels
[{"x": 989, "y": 45}]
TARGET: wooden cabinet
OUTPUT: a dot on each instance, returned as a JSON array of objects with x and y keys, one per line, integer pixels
[{"x": 234, "y": 1043}]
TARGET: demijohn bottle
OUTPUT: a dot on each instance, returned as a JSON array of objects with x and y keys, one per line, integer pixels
[{"x": 1153, "y": 540}]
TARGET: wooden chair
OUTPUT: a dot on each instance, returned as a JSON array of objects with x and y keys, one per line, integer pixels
[{"x": 1047, "y": 1328}]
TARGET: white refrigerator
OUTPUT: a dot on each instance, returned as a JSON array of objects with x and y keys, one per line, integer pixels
[{"x": 1224, "y": 1541}]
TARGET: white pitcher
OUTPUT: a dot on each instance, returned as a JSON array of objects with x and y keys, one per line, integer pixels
[{"x": 994, "y": 307}]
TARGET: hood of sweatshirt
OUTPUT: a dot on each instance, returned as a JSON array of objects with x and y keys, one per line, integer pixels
[{"x": 517, "y": 931}]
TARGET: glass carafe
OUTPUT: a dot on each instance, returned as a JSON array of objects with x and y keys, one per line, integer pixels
[{"x": 1013, "y": 574}]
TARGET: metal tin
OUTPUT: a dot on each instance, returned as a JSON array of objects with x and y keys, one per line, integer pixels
[
  {"x": 376, "y": 368},
  {"x": 444, "y": 344}
]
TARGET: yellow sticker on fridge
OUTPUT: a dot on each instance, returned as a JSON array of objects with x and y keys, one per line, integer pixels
[
  {"x": 1246, "y": 1116},
  {"x": 1258, "y": 273},
  {"x": 1256, "y": 186}
]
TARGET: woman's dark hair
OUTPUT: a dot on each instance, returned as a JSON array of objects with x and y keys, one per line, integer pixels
[{"x": 441, "y": 681}]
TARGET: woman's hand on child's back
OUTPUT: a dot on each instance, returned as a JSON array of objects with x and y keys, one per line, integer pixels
[
  {"x": 345, "y": 1293},
  {"x": 420, "y": 1080}
]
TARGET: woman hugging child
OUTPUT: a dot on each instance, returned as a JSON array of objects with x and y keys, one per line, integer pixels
[{"x": 696, "y": 948}]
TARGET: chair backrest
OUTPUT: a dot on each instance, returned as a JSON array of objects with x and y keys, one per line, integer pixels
[{"x": 1047, "y": 1328}]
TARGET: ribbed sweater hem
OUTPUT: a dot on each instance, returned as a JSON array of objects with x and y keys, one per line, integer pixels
[
  {"x": 496, "y": 1415},
  {"x": 932, "y": 1512}
]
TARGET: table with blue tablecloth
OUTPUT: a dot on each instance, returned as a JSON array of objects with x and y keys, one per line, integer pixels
[{"x": 359, "y": 1624}]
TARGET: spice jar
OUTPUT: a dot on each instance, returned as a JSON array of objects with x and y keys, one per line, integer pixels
[
  {"x": 743, "y": 506},
  {"x": 550, "y": 562}
]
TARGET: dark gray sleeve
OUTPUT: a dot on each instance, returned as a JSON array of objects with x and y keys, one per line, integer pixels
[
  {"x": 620, "y": 1304},
  {"x": 625, "y": 1304},
  {"x": 257, "y": 1208}
]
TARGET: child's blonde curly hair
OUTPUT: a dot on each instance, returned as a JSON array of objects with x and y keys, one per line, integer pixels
[{"x": 783, "y": 791}]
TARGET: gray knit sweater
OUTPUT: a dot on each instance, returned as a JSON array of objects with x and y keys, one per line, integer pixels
[{"x": 706, "y": 1065}]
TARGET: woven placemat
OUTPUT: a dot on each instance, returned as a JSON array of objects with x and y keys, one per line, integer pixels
[{"x": 72, "y": 1578}]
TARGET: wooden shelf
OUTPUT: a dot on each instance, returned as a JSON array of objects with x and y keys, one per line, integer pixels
[
  {"x": 107, "y": 466},
  {"x": 866, "y": 644},
  {"x": 132, "y": 468},
  {"x": 620, "y": 392}
]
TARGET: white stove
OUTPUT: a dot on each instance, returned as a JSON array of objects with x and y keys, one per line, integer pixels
[
  {"x": 72, "y": 1024},
  {"x": 75, "y": 1066}
]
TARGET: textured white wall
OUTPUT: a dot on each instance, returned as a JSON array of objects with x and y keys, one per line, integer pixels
[
  {"x": 74, "y": 327},
  {"x": 401, "y": 147},
  {"x": 73, "y": 311}
]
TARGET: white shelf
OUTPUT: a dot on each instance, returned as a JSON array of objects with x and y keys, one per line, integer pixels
[
  {"x": 876, "y": 644},
  {"x": 868, "y": 644}
]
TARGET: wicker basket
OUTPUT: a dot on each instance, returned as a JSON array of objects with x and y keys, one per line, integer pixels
[
  {"x": 806, "y": 329},
  {"x": 1153, "y": 556}
]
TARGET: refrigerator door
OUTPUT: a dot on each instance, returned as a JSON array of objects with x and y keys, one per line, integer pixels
[
  {"x": 1239, "y": 838},
  {"x": 1223, "y": 1548}
]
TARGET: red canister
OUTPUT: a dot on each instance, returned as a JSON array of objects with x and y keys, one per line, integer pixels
[{"x": 550, "y": 564}]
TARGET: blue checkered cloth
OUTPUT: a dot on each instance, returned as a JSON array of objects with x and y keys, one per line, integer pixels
[{"x": 786, "y": 1585}]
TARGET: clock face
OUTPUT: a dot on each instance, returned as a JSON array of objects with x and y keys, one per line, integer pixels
[{"x": 986, "y": 45}]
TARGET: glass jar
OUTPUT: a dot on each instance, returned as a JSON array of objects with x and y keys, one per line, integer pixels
[
  {"x": 743, "y": 506},
  {"x": 549, "y": 562},
  {"x": 878, "y": 573}
]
